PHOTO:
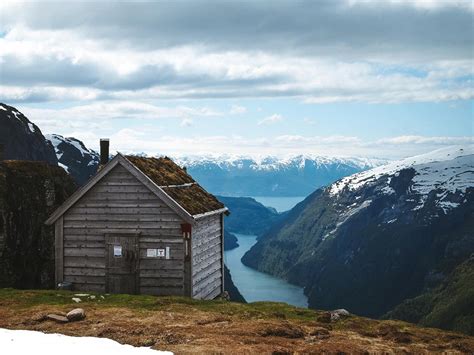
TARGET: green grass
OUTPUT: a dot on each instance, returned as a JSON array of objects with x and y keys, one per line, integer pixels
[{"x": 139, "y": 303}]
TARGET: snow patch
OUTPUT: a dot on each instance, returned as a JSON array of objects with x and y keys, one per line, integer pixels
[
  {"x": 31, "y": 127},
  {"x": 32, "y": 342},
  {"x": 3, "y": 108},
  {"x": 448, "y": 169},
  {"x": 63, "y": 166}
]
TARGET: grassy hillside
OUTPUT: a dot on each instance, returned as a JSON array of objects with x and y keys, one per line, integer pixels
[
  {"x": 183, "y": 325},
  {"x": 449, "y": 306}
]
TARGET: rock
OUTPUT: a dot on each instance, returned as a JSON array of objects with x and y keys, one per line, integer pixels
[
  {"x": 76, "y": 299},
  {"x": 57, "y": 318},
  {"x": 76, "y": 314},
  {"x": 339, "y": 314},
  {"x": 324, "y": 318},
  {"x": 320, "y": 332}
]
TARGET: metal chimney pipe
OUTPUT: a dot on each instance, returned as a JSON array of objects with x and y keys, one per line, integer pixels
[
  {"x": 104, "y": 151},
  {"x": 2, "y": 151}
]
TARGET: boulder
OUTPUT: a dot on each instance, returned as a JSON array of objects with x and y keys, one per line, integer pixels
[
  {"x": 57, "y": 318},
  {"x": 76, "y": 314},
  {"x": 339, "y": 314}
]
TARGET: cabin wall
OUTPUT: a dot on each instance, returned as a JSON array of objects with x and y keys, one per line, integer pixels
[
  {"x": 119, "y": 204},
  {"x": 207, "y": 258}
]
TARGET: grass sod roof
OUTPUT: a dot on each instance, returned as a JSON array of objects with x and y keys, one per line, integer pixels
[{"x": 167, "y": 174}]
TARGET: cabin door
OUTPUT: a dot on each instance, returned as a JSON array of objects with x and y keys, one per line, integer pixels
[{"x": 122, "y": 263}]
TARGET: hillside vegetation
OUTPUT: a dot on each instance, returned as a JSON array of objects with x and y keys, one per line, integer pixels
[{"x": 183, "y": 325}]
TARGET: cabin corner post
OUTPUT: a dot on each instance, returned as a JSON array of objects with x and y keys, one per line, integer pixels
[
  {"x": 222, "y": 251},
  {"x": 59, "y": 251},
  {"x": 186, "y": 230}
]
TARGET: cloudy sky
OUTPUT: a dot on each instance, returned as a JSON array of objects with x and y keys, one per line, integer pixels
[{"x": 354, "y": 78}]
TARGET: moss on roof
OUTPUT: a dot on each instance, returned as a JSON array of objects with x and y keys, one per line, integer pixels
[{"x": 164, "y": 172}]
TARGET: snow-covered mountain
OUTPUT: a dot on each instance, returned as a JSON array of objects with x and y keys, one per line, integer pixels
[
  {"x": 377, "y": 238},
  {"x": 74, "y": 157},
  {"x": 271, "y": 176},
  {"x": 23, "y": 139}
]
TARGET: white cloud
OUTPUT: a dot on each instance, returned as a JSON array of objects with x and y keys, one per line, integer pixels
[
  {"x": 271, "y": 119},
  {"x": 237, "y": 110},
  {"x": 186, "y": 122}
]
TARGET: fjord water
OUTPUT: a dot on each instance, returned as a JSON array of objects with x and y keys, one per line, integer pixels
[
  {"x": 258, "y": 286},
  {"x": 281, "y": 204}
]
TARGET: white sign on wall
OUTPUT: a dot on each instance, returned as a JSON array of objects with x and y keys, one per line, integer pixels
[
  {"x": 117, "y": 250},
  {"x": 151, "y": 253},
  {"x": 160, "y": 252}
]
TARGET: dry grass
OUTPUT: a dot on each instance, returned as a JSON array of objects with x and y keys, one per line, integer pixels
[{"x": 186, "y": 326}]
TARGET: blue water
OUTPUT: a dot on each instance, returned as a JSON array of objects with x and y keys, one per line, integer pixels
[
  {"x": 281, "y": 204},
  {"x": 258, "y": 286}
]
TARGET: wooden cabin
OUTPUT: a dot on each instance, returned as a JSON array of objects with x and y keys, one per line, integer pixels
[{"x": 141, "y": 225}]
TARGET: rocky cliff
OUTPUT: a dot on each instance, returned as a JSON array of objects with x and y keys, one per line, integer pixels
[
  {"x": 23, "y": 139},
  {"x": 29, "y": 193},
  {"x": 372, "y": 240},
  {"x": 74, "y": 157}
]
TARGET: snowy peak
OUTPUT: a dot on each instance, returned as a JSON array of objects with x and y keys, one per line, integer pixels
[
  {"x": 74, "y": 157},
  {"x": 23, "y": 140},
  {"x": 446, "y": 171},
  {"x": 13, "y": 114}
]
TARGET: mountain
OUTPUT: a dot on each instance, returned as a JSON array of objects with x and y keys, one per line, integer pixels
[
  {"x": 29, "y": 192},
  {"x": 372, "y": 240},
  {"x": 271, "y": 176},
  {"x": 247, "y": 216},
  {"x": 74, "y": 157},
  {"x": 23, "y": 139}
]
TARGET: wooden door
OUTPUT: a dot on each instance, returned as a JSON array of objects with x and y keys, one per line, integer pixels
[{"x": 122, "y": 264}]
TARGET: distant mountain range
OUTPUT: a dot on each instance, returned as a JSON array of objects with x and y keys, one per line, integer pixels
[
  {"x": 271, "y": 176},
  {"x": 372, "y": 241}
]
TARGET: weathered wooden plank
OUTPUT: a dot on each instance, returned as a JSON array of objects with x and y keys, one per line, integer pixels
[
  {"x": 83, "y": 279},
  {"x": 208, "y": 273},
  {"x": 206, "y": 289},
  {"x": 122, "y": 204},
  {"x": 82, "y": 271},
  {"x": 138, "y": 209},
  {"x": 162, "y": 291},
  {"x": 83, "y": 244},
  {"x": 161, "y": 264},
  {"x": 164, "y": 273},
  {"x": 59, "y": 250},
  {"x": 161, "y": 282},
  {"x": 213, "y": 252},
  {"x": 84, "y": 252},
  {"x": 118, "y": 196},
  {"x": 204, "y": 245},
  {"x": 214, "y": 294},
  {"x": 84, "y": 238},
  {"x": 89, "y": 287},
  {"x": 103, "y": 188},
  {"x": 205, "y": 267},
  {"x": 136, "y": 217},
  {"x": 149, "y": 242},
  {"x": 122, "y": 224},
  {"x": 89, "y": 262},
  {"x": 156, "y": 232}
]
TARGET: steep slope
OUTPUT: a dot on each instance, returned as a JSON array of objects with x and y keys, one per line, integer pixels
[
  {"x": 29, "y": 193},
  {"x": 271, "y": 176},
  {"x": 247, "y": 216},
  {"x": 374, "y": 239},
  {"x": 23, "y": 139},
  {"x": 74, "y": 157},
  {"x": 448, "y": 306}
]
